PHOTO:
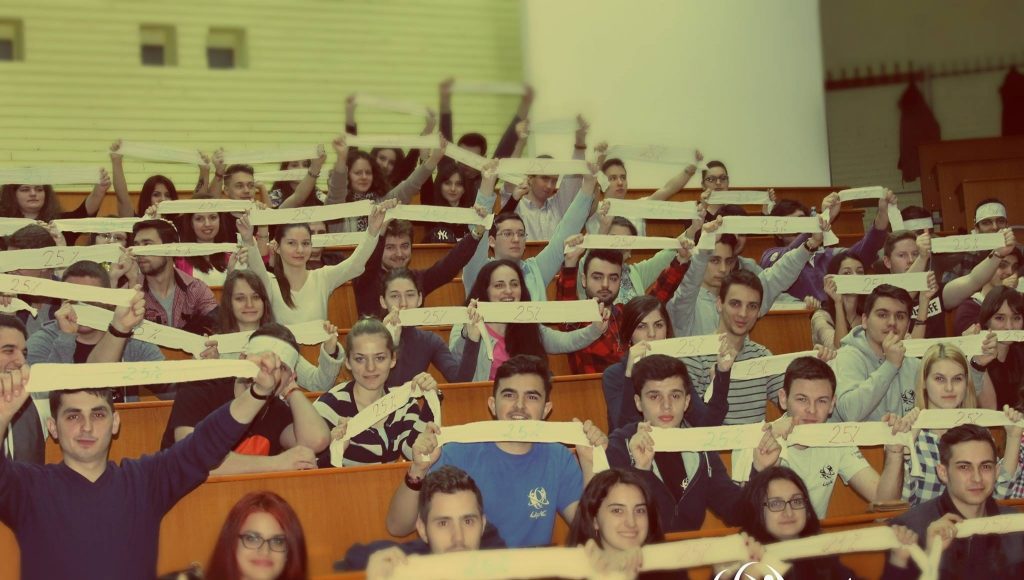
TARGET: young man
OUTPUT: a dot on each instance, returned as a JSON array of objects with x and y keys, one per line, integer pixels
[
  {"x": 989, "y": 217},
  {"x": 602, "y": 271},
  {"x": 65, "y": 341},
  {"x": 693, "y": 307},
  {"x": 738, "y": 305},
  {"x": 394, "y": 250},
  {"x": 969, "y": 469},
  {"x": 449, "y": 518},
  {"x": 172, "y": 297},
  {"x": 523, "y": 484},
  {"x": 683, "y": 485},
  {"x": 286, "y": 436},
  {"x": 812, "y": 278},
  {"x": 90, "y": 518},
  {"x": 808, "y": 397},
  {"x": 874, "y": 375},
  {"x": 618, "y": 186},
  {"x": 24, "y": 440}
]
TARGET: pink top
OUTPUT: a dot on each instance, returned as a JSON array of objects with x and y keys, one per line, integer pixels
[{"x": 500, "y": 352}]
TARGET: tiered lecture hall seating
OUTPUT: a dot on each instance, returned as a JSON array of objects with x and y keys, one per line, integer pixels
[{"x": 339, "y": 507}]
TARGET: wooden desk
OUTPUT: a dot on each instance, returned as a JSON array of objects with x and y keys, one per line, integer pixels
[
  {"x": 951, "y": 175},
  {"x": 932, "y": 154},
  {"x": 1010, "y": 191}
]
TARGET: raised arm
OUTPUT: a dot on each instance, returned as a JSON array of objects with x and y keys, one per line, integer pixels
[
  {"x": 453, "y": 262},
  {"x": 308, "y": 183},
  {"x": 95, "y": 198},
  {"x": 549, "y": 260},
  {"x": 110, "y": 348},
  {"x": 444, "y": 90},
  {"x": 672, "y": 186},
  {"x": 124, "y": 200},
  {"x": 355, "y": 264},
  {"x": 251, "y": 257},
  {"x": 217, "y": 184},
  {"x": 780, "y": 276},
  {"x": 410, "y": 185},
  {"x": 350, "y": 115},
  {"x": 511, "y": 138},
  {"x": 324, "y": 376},
  {"x": 960, "y": 289},
  {"x": 337, "y": 181},
  {"x": 308, "y": 428}
]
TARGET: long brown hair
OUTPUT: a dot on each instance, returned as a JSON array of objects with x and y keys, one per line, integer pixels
[
  {"x": 224, "y": 561},
  {"x": 227, "y": 321},
  {"x": 51, "y": 209},
  {"x": 282, "y": 280}
]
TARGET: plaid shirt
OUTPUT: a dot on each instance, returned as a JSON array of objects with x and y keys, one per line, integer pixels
[
  {"x": 919, "y": 489},
  {"x": 1013, "y": 488},
  {"x": 610, "y": 348},
  {"x": 192, "y": 299}
]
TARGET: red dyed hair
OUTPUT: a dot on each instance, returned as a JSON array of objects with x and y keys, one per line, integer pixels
[{"x": 224, "y": 561}]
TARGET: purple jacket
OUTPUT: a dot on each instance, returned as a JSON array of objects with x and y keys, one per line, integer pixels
[{"x": 811, "y": 281}]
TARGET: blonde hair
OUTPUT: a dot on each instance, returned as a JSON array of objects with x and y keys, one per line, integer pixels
[{"x": 933, "y": 355}]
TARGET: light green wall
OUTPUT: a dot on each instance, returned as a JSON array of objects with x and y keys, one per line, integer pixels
[{"x": 81, "y": 84}]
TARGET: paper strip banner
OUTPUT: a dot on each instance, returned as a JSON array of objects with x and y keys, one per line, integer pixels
[
  {"x": 628, "y": 242},
  {"x": 467, "y": 158},
  {"x": 918, "y": 224},
  {"x": 652, "y": 153},
  {"x": 176, "y": 206},
  {"x": 766, "y": 366},
  {"x": 870, "y": 539},
  {"x": 1001, "y": 524},
  {"x": 685, "y": 346},
  {"x": 850, "y": 434},
  {"x": 970, "y": 345},
  {"x": 18, "y": 304},
  {"x": 739, "y": 197},
  {"x": 271, "y": 154},
  {"x": 967, "y": 243},
  {"x": 694, "y": 553},
  {"x": 875, "y": 192},
  {"x": 311, "y": 332},
  {"x": 541, "y": 312},
  {"x": 151, "y": 332},
  {"x": 543, "y": 166},
  {"x": 489, "y": 87},
  {"x": 281, "y": 175},
  {"x": 437, "y": 213},
  {"x": 522, "y": 563},
  {"x": 1010, "y": 335},
  {"x": 854, "y": 284},
  {"x": 339, "y": 239},
  {"x": 383, "y": 407},
  {"x": 948, "y": 418},
  {"x": 184, "y": 249},
  {"x": 708, "y": 438},
  {"x": 57, "y": 377},
  {"x": 788, "y": 307},
  {"x": 554, "y": 126},
  {"x": 11, "y": 284},
  {"x": 157, "y": 152},
  {"x": 52, "y": 175},
  {"x": 96, "y": 225},
  {"x": 304, "y": 215},
  {"x": 435, "y": 315},
  {"x": 523, "y": 432},
  {"x": 648, "y": 209},
  {"x": 58, "y": 256},
  {"x": 400, "y": 141},
  {"x": 395, "y": 105},
  {"x": 738, "y": 224},
  {"x": 10, "y": 225}
]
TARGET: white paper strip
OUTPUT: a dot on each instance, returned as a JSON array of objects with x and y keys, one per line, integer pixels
[
  {"x": 177, "y": 206},
  {"x": 271, "y": 154},
  {"x": 648, "y": 209},
  {"x": 788, "y": 307},
  {"x": 541, "y": 312},
  {"x": 738, "y": 224},
  {"x": 19, "y": 304},
  {"x": 395, "y": 105},
  {"x": 158, "y": 152},
  {"x": 967, "y": 243},
  {"x": 693, "y": 553},
  {"x": 96, "y": 225},
  {"x": 50, "y": 175},
  {"x": 684, "y": 346},
  {"x": 441, "y": 214},
  {"x": 496, "y": 565},
  {"x": 400, "y": 141},
  {"x": 397, "y": 398},
  {"x": 339, "y": 239},
  {"x": 850, "y": 434},
  {"x": 489, "y": 87},
  {"x": 739, "y": 197},
  {"x": 281, "y": 175},
  {"x": 970, "y": 345},
  {"x": 918, "y": 224},
  {"x": 434, "y": 316},
  {"x": 465, "y": 157},
  {"x": 151, "y": 332},
  {"x": 554, "y": 126},
  {"x": 10, "y": 225},
  {"x": 652, "y": 153},
  {"x": 536, "y": 166},
  {"x": 1010, "y": 335},
  {"x": 58, "y": 256},
  {"x": 948, "y": 418},
  {"x": 854, "y": 284},
  {"x": 874, "y": 192},
  {"x": 311, "y": 332},
  {"x": 628, "y": 242},
  {"x": 11, "y": 284},
  {"x": 58, "y": 377},
  {"x": 766, "y": 366},
  {"x": 569, "y": 433},
  {"x": 184, "y": 249},
  {"x": 1001, "y": 524},
  {"x": 872, "y": 539},
  {"x": 304, "y": 215},
  {"x": 708, "y": 438}
]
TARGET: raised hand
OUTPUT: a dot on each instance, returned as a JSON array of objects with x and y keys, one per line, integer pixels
[
  {"x": 473, "y": 328},
  {"x": 269, "y": 377},
  {"x": 115, "y": 151},
  {"x": 318, "y": 162},
  {"x": 1010, "y": 243},
  {"x": 212, "y": 350},
  {"x": 924, "y": 244},
  {"x": 603, "y": 217},
  {"x": 437, "y": 154},
  {"x": 340, "y": 145},
  {"x": 768, "y": 450},
  {"x": 375, "y": 223},
  {"x": 686, "y": 247},
  {"x": 331, "y": 344},
  {"x": 245, "y": 229},
  {"x": 431, "y": 122},
  {"x": 726, "y": 355},
  {"x": 126, "y": 318},
  {"x": 641, "y": 447},
  {"x": 582, "y": 128},
  {"x": 425, "y": 382},
  {"x": 831, "y": 290},
  {"x": 425, "y": 450},
  {"x": 67, "y": 319},
  {"x": 54, "y": 231},
  {"x": 523, "y": 129},
  {"x": 218, "y": 162},
  {"x": 942, "y": 530},
  {"x": 595, "y": 437},
  {"x": 636, "y": 352},
  {"x": 522, "y": 189},
  {"x": 13, "y": 393},
  {"x": 574, "y": 250}
]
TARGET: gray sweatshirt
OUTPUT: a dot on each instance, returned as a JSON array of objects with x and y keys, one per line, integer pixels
[{"x": 868, "y": 387}]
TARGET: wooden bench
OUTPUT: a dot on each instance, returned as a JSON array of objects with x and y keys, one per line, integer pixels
[
  {"x": 932, "y": 154},
  {"x": 1010, "y": 191},
  {"x": 951, "y": 175}
]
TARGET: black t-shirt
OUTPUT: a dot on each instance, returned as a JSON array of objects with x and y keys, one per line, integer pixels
[{"x": 194, "y": 401}]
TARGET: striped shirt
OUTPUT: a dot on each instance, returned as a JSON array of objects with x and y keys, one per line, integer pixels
[
  {"x": 382, "y": 443},
  {"x": 747, "y": 397}
]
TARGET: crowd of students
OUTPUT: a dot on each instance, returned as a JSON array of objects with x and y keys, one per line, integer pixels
[{"x": 77, "y": 518}]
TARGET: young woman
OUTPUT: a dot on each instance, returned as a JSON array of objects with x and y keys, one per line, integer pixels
[
  {"x": 1002, "y": 309},
  {"x": 644, "y": 319},
  {"x": 502, "y": 281},
  {"x": 204, "y": 228},
  {"x": 830, "y": 324},
  {"x": 40, "y": 202},
  {"x": 297, "y": 293},
  {"x": 776, "y": 508},
  {"x": 302, "y": 189},
  {"x": 245, "y": 306},
  {"x": 449, "y": 191},
  {"x": 370, "y": 358},
  {"x": 356, "y": 177},
  {"x": 419, "y": 348},
  {"x": 261, "y": 539},
  {"x": 1006, "y": 275}
]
